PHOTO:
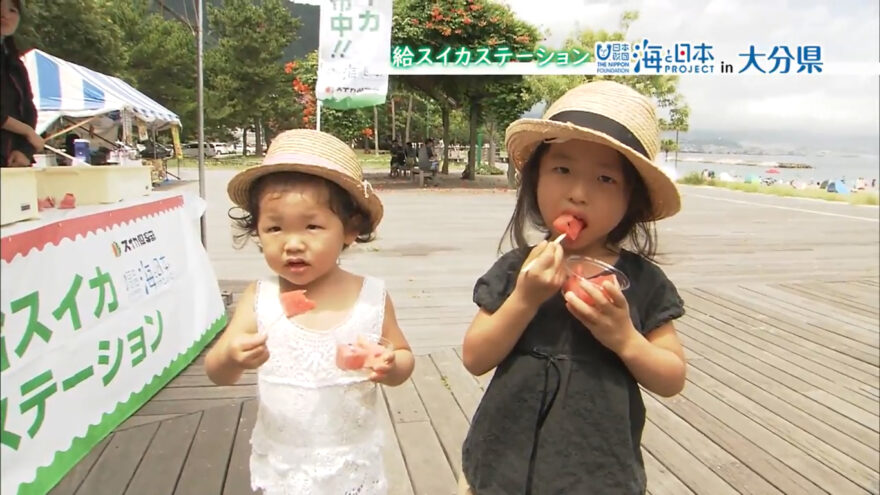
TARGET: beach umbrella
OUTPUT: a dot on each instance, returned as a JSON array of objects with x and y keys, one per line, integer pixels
[{"x": 772, "y": 171}]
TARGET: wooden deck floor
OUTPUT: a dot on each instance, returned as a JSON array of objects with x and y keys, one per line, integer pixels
[
  {"x": 781, "y": 334},
  {"x": 782, "y": 397}
]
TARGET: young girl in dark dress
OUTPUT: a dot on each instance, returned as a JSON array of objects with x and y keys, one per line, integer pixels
[{"x": 563, "y": 413}]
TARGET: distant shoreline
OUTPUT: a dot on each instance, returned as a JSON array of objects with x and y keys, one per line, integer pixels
[{"x": 745, "y": 163}]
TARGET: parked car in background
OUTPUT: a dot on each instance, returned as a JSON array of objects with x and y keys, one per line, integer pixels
[
  {"x": 191, "y": 150},
  {"x": 149, "y": 149}
]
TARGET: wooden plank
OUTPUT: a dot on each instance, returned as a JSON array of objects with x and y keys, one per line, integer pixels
[
  {"x": 447, "y": 418},
  {"x": 816, "y": 447},
  {"x": 768, "y": 468},
  {"x": 868, "y": 457},
  {"x": 818, "y": 313},
  {"x": 71, "y": 481},
  {"x": 462, "y": 384},
  {"x": 780, "y": 357},
  {"x": 797, "y": 372},
  {"x": 752, "y": 371},
  {"x": 866, "y": 295},
  {"x": 428, "y": 468},
  {"x": 703, "y": 445},
  {"x": 395, "y": 468},
  {"x": 846, "y": 302},
  {"x": 404, "y": 403},
  {"x": 790, "y": 323},
  {"x": 683, "y": 464},
  {"x": 136, "y": 420},
  {"x": 763, "y": 442},
  {"x": 186, "y": 406},
  {"x": 158, "y": 471},
  {"x": 662, "y": 481},
  {"x": 202, "y": 380},
  {"x": 205, "y": 466},
  {"x": 845, "y": 407},
  {"x": 764, "y": 330},
  {"x": 238, "y": 475},
  {"x": 118, "y": 462},
  {"x": 853, "y": 298},
  {"x": 215, "y": 392}
]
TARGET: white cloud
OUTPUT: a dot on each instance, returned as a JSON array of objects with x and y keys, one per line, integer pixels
[{"x": 847, "y": 31}]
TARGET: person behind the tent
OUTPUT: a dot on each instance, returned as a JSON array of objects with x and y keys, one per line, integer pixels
[
  {"x": 318, "y": 427},
  {"x": 563, "y": 412},
  {"x": 18, "y": 115}
]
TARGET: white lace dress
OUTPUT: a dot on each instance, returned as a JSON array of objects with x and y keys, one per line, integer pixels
[{"x": 317, "y": 429}]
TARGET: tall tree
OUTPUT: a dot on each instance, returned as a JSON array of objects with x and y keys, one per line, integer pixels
[
  {"x": 678, "y": 122},
  {"x": 75, "y": 30},
  {"x": 160, "y": 56},
  {"x": 455, "y": 23},
  {"x": 243, "y": 67}
]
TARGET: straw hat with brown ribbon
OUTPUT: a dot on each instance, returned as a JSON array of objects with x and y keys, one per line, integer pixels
[
  {"x": 315, "y": 153},
  {"x": 607, "y": 113}
]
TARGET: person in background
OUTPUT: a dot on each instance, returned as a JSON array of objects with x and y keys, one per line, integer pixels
[{"x": 18, "y": 115}]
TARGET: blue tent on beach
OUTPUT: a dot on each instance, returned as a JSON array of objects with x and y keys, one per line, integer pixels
[{"x": 838, "y": 187}]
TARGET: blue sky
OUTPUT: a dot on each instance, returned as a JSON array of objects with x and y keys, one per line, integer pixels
[{"x": 797, "y": 105}]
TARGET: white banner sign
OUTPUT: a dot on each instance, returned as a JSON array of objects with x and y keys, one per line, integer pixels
[
  {"x": 355, "y": 42},
  {"x": 99, "y": 312}
]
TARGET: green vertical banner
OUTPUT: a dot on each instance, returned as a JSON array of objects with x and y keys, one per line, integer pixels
[{"x": 355, "y": 39}]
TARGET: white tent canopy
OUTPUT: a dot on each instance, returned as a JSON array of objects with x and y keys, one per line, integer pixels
[{"x": 64, "y": 89}]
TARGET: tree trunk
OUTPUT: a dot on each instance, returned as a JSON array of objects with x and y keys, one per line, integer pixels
[
  {"x": 244, "y": 142},
  {"x": 474, "y": 120},
  {"x": 376, "y": 129},
  {"x": 491, "y": 160},
  {"x": 393, "y": 121},
  {"x": 676, "y": 149},
  {"x": 258, "y": 135},
  {"x": 445, "y": 116},
  {"x": 408, "y": 119}
]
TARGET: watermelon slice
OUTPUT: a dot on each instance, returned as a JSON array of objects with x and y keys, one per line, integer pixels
[
  {"x": 350, "y": 356},
  {"x": 68, "y": 202},
  {"x": 361, "y": 354},
  {"x": 45, "y": 203},
  {"x": 295, "y": 303},
  {"x": 568, "y": 225},
  {"x": 573, "y": 284}
]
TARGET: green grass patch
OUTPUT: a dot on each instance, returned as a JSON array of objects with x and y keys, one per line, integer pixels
[
  {"x": 856, "y": 198},
  {"x": 225, "y": 162},
  {"x": 485, "y": 169},
  {"x": 369, "y": 161}
]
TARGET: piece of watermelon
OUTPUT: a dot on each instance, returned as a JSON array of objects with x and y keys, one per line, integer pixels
[
  {"x": 295, "y": 303},
  {"x": 45, "y": 203},
  {"x": 361, "y": 354},
  {"x": 573, "y": 284},
  {"x": 569, "y": 225},
  {"x": 68, "y": 202},
  {"x": 350, "y": 356}
]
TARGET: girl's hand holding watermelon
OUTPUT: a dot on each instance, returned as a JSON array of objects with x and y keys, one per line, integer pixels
[
  {"x": 544, "y": 276},
  {"x": 607, "y": 318}
]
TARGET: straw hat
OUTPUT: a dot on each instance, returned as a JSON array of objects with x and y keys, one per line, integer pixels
[
  {"x": 316, "y": 153},
  {"x": 607, "y": 113}
]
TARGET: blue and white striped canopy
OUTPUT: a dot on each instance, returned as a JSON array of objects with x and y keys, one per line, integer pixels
[{"x": 64, "y": 89}]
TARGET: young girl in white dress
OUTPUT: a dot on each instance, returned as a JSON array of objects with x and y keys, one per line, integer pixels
[{"x": 317, "y": 430}]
